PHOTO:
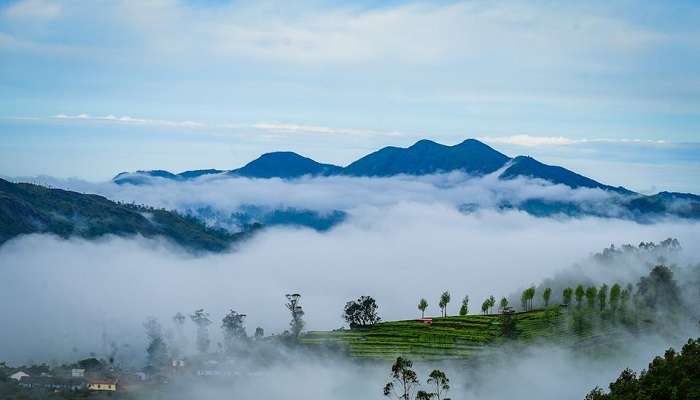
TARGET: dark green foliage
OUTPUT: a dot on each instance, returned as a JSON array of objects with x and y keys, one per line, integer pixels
[
  {"x": 464, "y": 308},
  {"x": 659, "y": 290},
  {"x": 27, "y": 208},
  {"x": 201, "y": 319},
  {"x": 403, "y": 380},
  {"x": 591, "y": 293},
  {"x": 566, "y": 296},
  {"x": 157, "y": 350},
  {"x": 361, "y": 312},
  {"x": 671, "y": 377},
  {"x": 234, "y": 330}
]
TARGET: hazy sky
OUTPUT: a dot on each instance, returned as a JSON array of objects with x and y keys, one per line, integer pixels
[{"x": 89, "y": 89}]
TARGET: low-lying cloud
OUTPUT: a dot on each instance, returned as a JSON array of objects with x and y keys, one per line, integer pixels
[{"x": 61, "y": 294}]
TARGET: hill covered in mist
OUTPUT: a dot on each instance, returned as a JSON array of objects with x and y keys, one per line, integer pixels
[{"x": 27, "y": 208}]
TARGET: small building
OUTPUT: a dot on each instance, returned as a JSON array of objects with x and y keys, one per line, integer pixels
[
  {"x": 427, "y": 321},
  {"x": 19, "y": 375},
  {"x": 52, "y": 383},
  {"x": 102, "y": 385}
]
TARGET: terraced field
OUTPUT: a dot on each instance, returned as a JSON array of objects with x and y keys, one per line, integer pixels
[{"x": 450, "y": 337}]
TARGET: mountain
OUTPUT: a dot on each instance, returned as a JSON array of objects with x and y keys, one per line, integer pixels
[
  {"x": 427, "y": 157},
  {"x": 286, "y": 165},
  {"x": 529, "y": 167},
  {"x": 27, "y": 208},
  {"x": 143, "y": 177}
]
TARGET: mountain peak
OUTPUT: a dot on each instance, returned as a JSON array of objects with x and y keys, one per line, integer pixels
[{"x": 284, "y": 164}]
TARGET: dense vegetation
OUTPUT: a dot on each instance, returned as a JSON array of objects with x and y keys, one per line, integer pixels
[
  {"x": 675, "y": 376},
  {"x": 26, "y": 208}
]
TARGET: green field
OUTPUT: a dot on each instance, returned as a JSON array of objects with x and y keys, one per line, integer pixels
[{"x": 449, "y": 337}]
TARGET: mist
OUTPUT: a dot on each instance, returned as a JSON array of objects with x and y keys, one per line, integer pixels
[{"x": 76, "y": 297}]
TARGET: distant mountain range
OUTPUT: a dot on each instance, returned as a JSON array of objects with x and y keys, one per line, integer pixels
[
  {"x": 422, "y": 158},
  {"x": 27, "y": 208}
]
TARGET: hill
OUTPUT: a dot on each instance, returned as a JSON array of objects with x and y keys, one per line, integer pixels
[
  {"x": 427, "y": 157},
  {"x": 422, "y": 158},
  {"x": 531, "y": 168},
  {"x": 285, "y": 165},
  {"x": 447, "y": 337},
  {"x": 27, "y": 208}
]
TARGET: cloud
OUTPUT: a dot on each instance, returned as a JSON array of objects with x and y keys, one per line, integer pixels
[
  {"x": 82, "y": 289},
  {"x": 287, "y": 128},
  {"x": 534, "y": 141},
  {"x": 125, "y": 119}
]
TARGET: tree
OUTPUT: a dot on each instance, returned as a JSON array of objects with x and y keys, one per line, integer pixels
[
  {"x": 526, "y": 298},
  {"x": 234, "y": 330},
  {"x": 157, "y": 350},
  {"x": 422, "y": 306},
  {"x": 485, "y": 307},
  {"x": 602, "y": 297},
  {"x": 444, "y": 301},
  {"x": 439, "y": 380},
  {"x": 531, "y": 296},
  {"x": 201, "y": 319},
  {"x": 503, "y": 304},
  {"x": 614, "y": 296},
  {"x": 579, "y": 295},
  {"x": 464, "y": 309},
  {"x": 591, "y": 292},
  {"x": 259, "y": 333},
  {"x": 659, "y": 290},
  {"x": 674, "y": 376},
  {"x": 423, "y": 395},
  {"x": 625, "y": 296},
  {"x": 546, "y": 295},
  {"x": 180, "y": 343},
  {"x": 523, "y": 299},
  {"x": 403, "y": 380},
  {"x": 296, "y": 325},
  {"x": 566, "y": 295},
  {"x": 361, "y": 312},
  {"x": 492, "y": 303}
]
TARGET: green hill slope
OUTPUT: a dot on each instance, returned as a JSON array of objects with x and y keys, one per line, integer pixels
[
  {"x": 449, "y": 337},
  {"x": 27, "y": 208}
]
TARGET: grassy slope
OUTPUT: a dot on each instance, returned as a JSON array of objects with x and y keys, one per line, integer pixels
[
  {"x": 27, "y": 208},
  {"x": 450, "y": 337}
]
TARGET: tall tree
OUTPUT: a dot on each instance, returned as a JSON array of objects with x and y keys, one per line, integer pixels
[
  {"x": 659, "y": 290},
  {"x": 233, "y": 329},
  {"x": 591, "y": 292},
  {"x": 157, "y": 350},
  {"x": 422, "y": 306},
  {"x": 202, "y": 321},
  {"x": 296, "y": 325},
  {"x": 440, "y": 382},
  {"x": 361, "y": 312},
  {"x": 602, "y": 297},
  {"x": 546, "y": 295},
  {"x": 464, "y": 308},
  {"x": 524, "y": 298},
  {"x": 504, "y": 303},
  {"x": 492, "y": 303},
  {"x": 614, "y": 296},
  {"x": 404, "y": 380},
  {"x": 444, "y": 301},
  {"x": 566, "y": 295},
  {"x": 580, "y": 292},
  {"x": 259, "y": 333},
  {"x": 485, "y": 307}
]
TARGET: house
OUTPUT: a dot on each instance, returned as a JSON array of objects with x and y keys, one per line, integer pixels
[
  {"x": 52, "y": 383},
  {"x": 19, "y": 375},
  {"x": 102, "y": 385},
  {"x": 427, "y": 321}
]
